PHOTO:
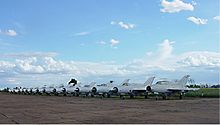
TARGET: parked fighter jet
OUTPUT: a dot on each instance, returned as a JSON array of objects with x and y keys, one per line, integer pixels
[
  {"x": 132, "y": 89},
  {"x": 35, "y": 90},
  {"x": 167, "y": 88},
  {"x": 86, "y": 89},
  {"x": 49, "y": 90},
  {"x": 105, "y": 89},
  {"x": 102, "y": 89},
  {"x": 59, "y": 90}
]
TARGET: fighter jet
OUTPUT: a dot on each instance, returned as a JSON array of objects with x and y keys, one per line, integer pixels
[
  {"x": 59, "y": 90},
  {"x": 84, "y": 90},
  {"x": 167, "y": 88},
  {"x": 49, "y": 90},
  {"x": 35, "y": 90},
  {"x": 106, "y": 89},
  {"x": 103, "y": 89},
  {"x": 132, "y": 89}
]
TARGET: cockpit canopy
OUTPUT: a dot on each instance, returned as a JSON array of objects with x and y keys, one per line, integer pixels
[{"x": 162, "y": 82}]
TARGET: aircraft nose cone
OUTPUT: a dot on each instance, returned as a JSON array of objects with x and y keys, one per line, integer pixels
[
  {"x": 115, "y": 90},
  {"x": 94, "y": 89},
  {"x": 54, "y": 90},
  {"x": 148, "y": 88},
  {"x": 77, "y": 89},
  {"x": 64, "y": 89}
]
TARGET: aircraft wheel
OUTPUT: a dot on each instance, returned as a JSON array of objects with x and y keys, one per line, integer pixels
[
  {"x": 131, "y": 96},
  {"x": 108, "y": 95},
  {"x": 181, "y": 95},
  {"x": 122, "y": 97},
  {"x": 145, "y": 96},
  {"x": 164, "y": 97}
]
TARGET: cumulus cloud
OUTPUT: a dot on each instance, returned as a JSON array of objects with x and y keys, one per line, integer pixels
[
  {"x": 200, "y": 59},
  {"x": 216, "y": 18},
  {"x": 163, "y": 59},
  {"x": 40, "y": 70},
  {"x": 165, "y": 49},
  {"x": 175, "y": 6},
  {"x": 9, "y": 32},
  {"x": 123, "y": 25},
  {"x": 114, "y": 42},
  {"x": 197, "y": 21}
]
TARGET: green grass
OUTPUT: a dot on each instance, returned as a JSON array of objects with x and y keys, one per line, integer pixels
[{"x": 204, "y": 92}]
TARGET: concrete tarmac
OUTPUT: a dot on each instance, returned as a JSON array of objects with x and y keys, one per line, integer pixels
[{"x": 51, "y": 109}]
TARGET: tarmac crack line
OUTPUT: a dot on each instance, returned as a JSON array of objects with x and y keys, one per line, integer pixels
[{"x": 9, "y": 118}]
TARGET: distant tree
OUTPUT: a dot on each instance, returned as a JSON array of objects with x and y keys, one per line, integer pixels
[
  {"x": 215, "y": 86},
  {"x": 193, "y": 86}
]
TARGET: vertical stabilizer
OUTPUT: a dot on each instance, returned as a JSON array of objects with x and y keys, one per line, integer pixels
[
  {"x": 149, "y": 81},
  {"x": 92, "y": 84},
  {"x": 125, "y": 82},
  {"x": 184, "y": 80}
]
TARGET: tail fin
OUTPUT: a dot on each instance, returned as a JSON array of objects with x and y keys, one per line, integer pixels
[
  {"x": 149, "y": 81},
  {"x": 184, "y": 80},
  {"x": 125, "y": 82},
  {"x": 92, "y": 84}
]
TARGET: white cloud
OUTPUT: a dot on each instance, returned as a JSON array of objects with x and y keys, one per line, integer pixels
[
  {"x": 197, "y": 21},
  {"x": 102, "y": 42},
  {"x": 149, "y": 53},
  {"x": 163, "y": 59},
  {"x": 194, "y": 3},
  {"x": 200, "y": 59},
  {"x": 44, "y": 69},
  {"x": 28, "y": 66},
  {"x": 175, "y": 6},
  {"x": 82, "y": 34},
  {"x": 113, "y": 23},
  {"x": 126, "y": 26},
  {"x": 123, "y": 25},
  {"x": 165, "y": 49},
  {"x": 216, "y": 18},
  {"x": 29, "y": 54},
  {"x": 114, "y": 42},
  {"x": 9, "y": 32}
]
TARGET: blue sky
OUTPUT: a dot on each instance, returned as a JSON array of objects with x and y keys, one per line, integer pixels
[{"x": 124, "y": 39}]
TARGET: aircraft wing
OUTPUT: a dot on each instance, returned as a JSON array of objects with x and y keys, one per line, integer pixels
[
  {"x": 175, "y": 89},
  {"x": 182, "y": 89},
  {"x": 139, "y": 90}
]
